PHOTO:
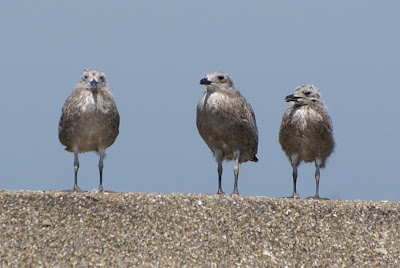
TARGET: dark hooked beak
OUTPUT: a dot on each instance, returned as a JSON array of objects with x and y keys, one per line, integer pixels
[
  {"x": 291, "y": 98},
  {"x": 93, "y": 82},
  {"x": 205, "y": 81}
]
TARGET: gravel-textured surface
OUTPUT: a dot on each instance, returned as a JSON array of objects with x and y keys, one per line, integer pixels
[{"x": 57, "y": 229}]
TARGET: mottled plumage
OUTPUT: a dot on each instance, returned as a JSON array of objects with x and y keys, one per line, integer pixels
[
  {"x": 306, "y": 132},
  {"x": 89, "y": 120},
  {"x": 226, "y": 122}
]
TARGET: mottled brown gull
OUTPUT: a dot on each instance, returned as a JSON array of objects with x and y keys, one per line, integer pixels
[
  {"x": 89, "y": 120},
  {"x": 226, "y": 122},
  {"x": 306, "y": 132}
]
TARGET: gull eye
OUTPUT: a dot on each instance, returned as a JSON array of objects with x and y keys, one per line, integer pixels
[
  {"x": 102, "y": 78},
  {"x": 307, "y": 93},
  {"x": 221, "y": 77}
]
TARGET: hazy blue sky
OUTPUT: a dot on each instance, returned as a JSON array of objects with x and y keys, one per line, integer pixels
[{"x": 154, "y": 55}]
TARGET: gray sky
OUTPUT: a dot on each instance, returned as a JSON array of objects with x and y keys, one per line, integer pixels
[{"x": 154, "y": 55}]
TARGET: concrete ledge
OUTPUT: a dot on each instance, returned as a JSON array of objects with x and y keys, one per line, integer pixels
[{"x": 57, "y": 229}]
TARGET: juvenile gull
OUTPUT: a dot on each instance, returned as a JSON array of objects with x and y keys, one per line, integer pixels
[
  {"x": 226, "y": 122},
  {"x": 89, "y": 120},
  {"x": 306, "y": 132}
]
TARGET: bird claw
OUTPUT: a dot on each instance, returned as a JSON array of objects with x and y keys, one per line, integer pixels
[
  {"x": 294, "y": 196},
  {"x": 76, "y": 189},
  {"x": 317, "y": 197}
]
